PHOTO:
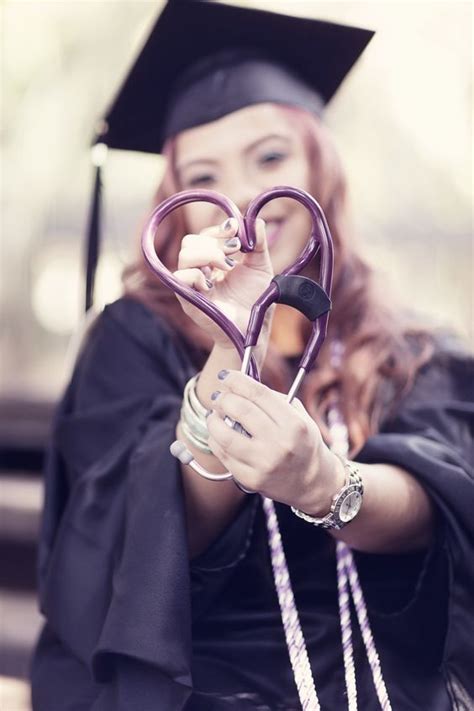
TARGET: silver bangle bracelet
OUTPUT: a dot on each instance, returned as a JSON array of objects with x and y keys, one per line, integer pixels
[
  {"x": 193, "y": 417},
  {"x": 196, "y": 424},
  {"x": 192, "y": 439},
  {"x": 193, "y": 399}
]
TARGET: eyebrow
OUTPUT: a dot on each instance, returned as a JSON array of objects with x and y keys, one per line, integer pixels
[{"x": 247, "y": 149}]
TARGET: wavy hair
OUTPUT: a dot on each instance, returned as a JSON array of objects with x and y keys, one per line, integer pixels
[{"x": 382, "y": 351}]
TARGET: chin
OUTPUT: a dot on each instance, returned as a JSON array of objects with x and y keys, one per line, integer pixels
[
  {"x": 284, "y": 254},
  {"x": 279, "y": 263}
]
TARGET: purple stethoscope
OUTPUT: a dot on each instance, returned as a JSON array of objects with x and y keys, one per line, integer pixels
[
  {"x": 313, "y": 300},
  {"x": 300, "y": 292}
]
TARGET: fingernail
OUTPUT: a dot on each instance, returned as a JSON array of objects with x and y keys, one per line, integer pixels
[
  {"x": 222, "y": 374},
  {"x": 215, "y": 394},
  {"x": 232, "y": 242},
  {"x": 230, "y": 261},
  {"x": 209, "y": 284},
  {"x": 228, "y": 224},
  {"x": 209, "y": 412}
]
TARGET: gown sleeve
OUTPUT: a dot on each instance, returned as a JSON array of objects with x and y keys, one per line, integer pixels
[
  {"x": 113, "y": 570},
  {"x": 431, "y": 436}
]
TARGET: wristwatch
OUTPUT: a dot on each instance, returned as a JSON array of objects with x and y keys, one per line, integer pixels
[{"x": 346, "y": 503}]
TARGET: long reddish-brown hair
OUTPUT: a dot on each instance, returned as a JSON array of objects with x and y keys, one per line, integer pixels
[{"x": 382, "y": 353}]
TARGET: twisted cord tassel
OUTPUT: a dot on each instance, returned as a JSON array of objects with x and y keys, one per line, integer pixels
[
  {"x": 340, "y": 445},
  {"x": 347, "y": 570},
  {"x": 346, "y": 626},
  {"x": 364, "y": 624},
  {"x": 289, "y": 615},
  {"x": 347, "y": 578}
]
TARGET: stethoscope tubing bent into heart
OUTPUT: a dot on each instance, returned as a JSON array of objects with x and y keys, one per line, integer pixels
[{"x": 309, "y": 297}]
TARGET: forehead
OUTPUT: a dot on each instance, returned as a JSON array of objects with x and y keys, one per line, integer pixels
[{"x": 244, "y": 127}]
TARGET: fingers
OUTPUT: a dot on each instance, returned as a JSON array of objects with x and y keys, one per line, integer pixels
[
  {"x": 226, "y": 230},
  {"x": 195, "y": 279},
  {"x": 211, "y": 248},
  {"x": 301, "y": 410},
  {"x": 227, "y": 443},
  {"x": 260, "y": 234},
  {"x": 260, "y": 257},
  {"x": 244, "y": 411},
  {"x": 273, "y": 404},
  {"x": 215, "y": 248},
  {"x": 230, "y": 442},
  {"x": 275, "y": 449},
  {"x": 202, "y": 251}
]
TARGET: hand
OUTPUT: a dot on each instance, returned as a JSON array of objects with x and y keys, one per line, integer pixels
[
  {"x": 203, "y": 264},
  {"x": 286, "y": 458}
]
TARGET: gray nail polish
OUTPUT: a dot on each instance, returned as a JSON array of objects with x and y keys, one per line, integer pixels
[
  {"x": 228, "y": 224},
  {"x": 230, "y": 261},
  {"x": 232, "y": 242},
  {"x": 209, "y": 283},
  {"x": 222, "y": 374},
  {"x": 215, "y": 394}
]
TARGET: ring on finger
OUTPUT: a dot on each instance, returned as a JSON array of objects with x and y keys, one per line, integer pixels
[{"x": 234, "y": 425}]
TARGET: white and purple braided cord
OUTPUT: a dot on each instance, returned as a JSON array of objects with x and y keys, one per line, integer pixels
[
  {"x": 291, "y": 624},
  {"x": 348, "y": 583},
  {"x": 345, "y": 555},
  {"x": 346, "y": 629},
  {"x": 340, "y": 445},
  {"x": 347, "y": 572}
]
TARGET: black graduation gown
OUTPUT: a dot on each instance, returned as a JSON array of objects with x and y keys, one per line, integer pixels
[{"x": 131, "y": 625}]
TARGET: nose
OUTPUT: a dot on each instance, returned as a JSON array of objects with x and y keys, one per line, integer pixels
[
  {"x": 242, "y": 191},
  {"x": 244, "y": 198}
]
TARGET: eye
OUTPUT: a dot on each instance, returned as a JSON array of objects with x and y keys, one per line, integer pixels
[
  {"x": 271, "y": 158},
  {"x": 204, "y": 179}
]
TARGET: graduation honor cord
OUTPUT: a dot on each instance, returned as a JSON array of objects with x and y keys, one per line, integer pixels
[{"x": 348, "y": 585}]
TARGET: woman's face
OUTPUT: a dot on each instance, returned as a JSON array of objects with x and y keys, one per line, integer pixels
[{"x": 241, "y": 155}]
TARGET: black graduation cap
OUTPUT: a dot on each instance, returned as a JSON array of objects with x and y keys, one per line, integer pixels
[{"x": 203, "y": 60}]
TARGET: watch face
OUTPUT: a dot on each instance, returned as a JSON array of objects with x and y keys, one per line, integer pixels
[{"x": 350, "y": 506}]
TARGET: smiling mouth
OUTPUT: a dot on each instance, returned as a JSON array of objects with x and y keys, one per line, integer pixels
[{"x": 273, "y": 231}]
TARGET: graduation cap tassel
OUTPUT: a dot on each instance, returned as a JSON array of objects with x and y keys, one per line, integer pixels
[{"x": 98, "y": 157}]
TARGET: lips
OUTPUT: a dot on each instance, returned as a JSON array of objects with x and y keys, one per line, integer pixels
[{"x": 273, "y": 231}]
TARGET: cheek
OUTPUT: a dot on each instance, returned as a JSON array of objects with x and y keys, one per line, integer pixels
[
  {"x": 295, "y": 172},
  {"x": 298, "y": 231},
  {"x": 301, "y": 179},
  {"x": 301, "y": 172},
  {"x": 298, "y": 220},
  {"x": 303, "y": 218}
]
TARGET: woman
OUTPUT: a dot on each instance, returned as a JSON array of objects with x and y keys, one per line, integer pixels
[{"x": 157, "y": 584}]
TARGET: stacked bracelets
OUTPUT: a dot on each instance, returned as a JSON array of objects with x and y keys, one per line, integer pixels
[{"x": 193, "y": 418}]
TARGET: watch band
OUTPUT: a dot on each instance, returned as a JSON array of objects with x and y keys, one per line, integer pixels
[{"x": 353, "y": 485}]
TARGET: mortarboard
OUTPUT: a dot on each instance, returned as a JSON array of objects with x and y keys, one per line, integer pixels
[{"x": 203, "y": 60}]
